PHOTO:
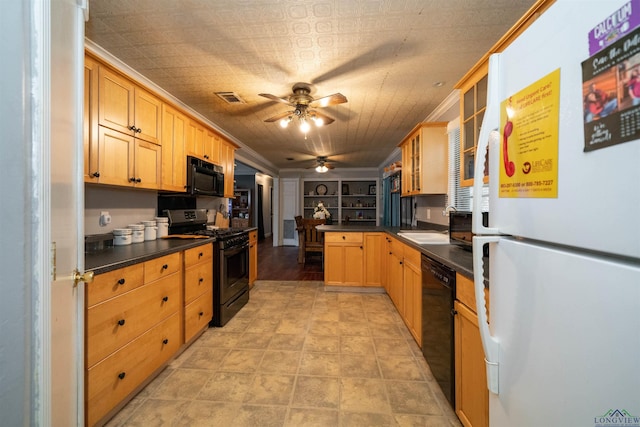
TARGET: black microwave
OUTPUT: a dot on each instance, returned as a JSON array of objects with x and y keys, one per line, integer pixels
[{"x": 204, "y": 178}]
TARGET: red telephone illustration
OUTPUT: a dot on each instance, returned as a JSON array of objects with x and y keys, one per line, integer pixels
[{"x": 509, "y": 167}]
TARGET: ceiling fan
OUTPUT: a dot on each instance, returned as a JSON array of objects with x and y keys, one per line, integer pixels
[
  {"x": 304, "y": 107},
  {"x": 321, "y": 164}
]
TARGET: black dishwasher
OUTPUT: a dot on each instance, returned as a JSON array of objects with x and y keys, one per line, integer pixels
[{"x": 438, "y": 293}]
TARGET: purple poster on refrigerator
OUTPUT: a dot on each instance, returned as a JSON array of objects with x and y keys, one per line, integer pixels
[{"x": 614, "y": 26}]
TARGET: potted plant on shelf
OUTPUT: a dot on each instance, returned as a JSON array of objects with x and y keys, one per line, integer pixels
[{"x": 320, "y": 212}]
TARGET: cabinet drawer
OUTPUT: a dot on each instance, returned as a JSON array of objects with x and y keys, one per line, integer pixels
[
  {"x": 137, "y": 310},
  {"x": 465, "y": 293},
  {"x": 198, "y": 314},
  {"x": 197, "y": 279},
  {"x": 137, "y": 360},
  {"x": 114, "y": 283},
  {"x": 412, "y": 256},
  {"x": 397, "y": 248},
  {"x": 343, "y": 237},
  {"x": 161, "y": 267},
  {"x": 199, "y": 254}
]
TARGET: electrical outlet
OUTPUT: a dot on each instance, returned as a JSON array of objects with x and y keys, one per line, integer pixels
[
  {"x": 428, "y": 213},
  {"x": 105, "y": 218}
]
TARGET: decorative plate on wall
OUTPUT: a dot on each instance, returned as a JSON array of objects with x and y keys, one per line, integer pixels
[{"x": 321, "y": 190}]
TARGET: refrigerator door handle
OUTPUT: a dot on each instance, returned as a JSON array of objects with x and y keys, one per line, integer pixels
[
  {"x": 490, "y": 344},
  {"x": 488, "y": 130}
]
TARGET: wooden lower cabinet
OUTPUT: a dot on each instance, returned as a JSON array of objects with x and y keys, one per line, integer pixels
[
  {"x": 412, "y": 293},
  {"x": 373, "y": 265},
  {"x": 198, "y": 314},
  {"x": 137, "y": 318},
  {"x": 253, "y": 257},
  {"x": 198, "y": 290},
  {"x": 472, "y": 395},
  {"x": 114, "y": 378},
  {"x": 344, "y": 259}
]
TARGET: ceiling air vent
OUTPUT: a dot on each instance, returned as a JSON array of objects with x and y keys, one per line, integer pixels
[{"x": 231, "y": 97}]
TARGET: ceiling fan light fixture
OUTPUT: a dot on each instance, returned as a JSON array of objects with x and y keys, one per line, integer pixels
[
  {"x": 304, "y": 126},
  {"x": 285, "y": 122},
  {"x": 318, "y": 121},
  {"x": 321, "y": 168}
]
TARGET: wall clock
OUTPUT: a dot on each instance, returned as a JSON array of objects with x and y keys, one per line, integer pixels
[{"x": 321, "y": 190}]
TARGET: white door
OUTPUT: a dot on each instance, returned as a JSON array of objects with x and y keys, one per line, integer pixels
[
  {"x": 63, "y": 341},
  {"x": 290, "y": 197}
]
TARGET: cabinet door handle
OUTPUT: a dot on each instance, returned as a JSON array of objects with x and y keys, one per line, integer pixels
[
  {"x": 200, "y": 280},
  {"x": 132, "y": 127},
  {"x": 138, "y": 130},
  {"x": 121, "y": 322},
  {"x": 400, "y": 262},
  {"x": 138, "y": 180},
  {"x": 344, "y": 237},
  {"x": 200, "y": 255},
  {"x": 132, "y": 179},
  {"x": 121, "y": 375},
  {"x": 201, "y": 314},
  {"x": 454, "y": 311},
  {"x": 360, "y": 247},
  {"x": 165, "y": 341},
  {"x": 165, "y": 266},
  {"x": 165, "y": 299},
  {"x": 121, "y": 281},
  {"x": 96, "y": 174}
]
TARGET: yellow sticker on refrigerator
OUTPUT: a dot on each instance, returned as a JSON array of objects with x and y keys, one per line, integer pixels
[{"x": 529, "y": 145}]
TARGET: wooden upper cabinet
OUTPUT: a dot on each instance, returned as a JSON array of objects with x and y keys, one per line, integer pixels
[
  {"x": 211, "y": 147},
  {"x": 127, "y": 108},
  {"x": 147, "y": 113},
  {"x": 173, "y": 149},
  {"x": 90, "y": 120},
  {"x": 424, "y": 159},
  {"x": 472, "y": 109},
  {"x": 127, "y": 161},
  {"x": 194, "y": 139},
  {"x": 227, "y": 161},
  {"x": 473, "y": 94}
]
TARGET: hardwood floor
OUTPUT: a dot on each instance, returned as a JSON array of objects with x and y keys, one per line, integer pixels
[{"x": 281, "y": 263}]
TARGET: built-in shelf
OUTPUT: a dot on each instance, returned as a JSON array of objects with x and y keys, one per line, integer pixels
[{"x": 347, "y": 200}]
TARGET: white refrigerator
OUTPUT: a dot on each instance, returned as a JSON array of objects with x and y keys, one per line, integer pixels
[{"x": 562, "y": 342}]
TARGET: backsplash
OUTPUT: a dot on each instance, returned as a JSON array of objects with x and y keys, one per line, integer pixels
[
  {"x": 131, "y": 206},
  {"x": 124, "y": 206},
  {"x": 429, "y": 209}
]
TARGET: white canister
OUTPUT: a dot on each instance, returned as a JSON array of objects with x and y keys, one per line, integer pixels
[
  {"x": 137, "y": 233},
  {"x": 163, "y": 226},
  {"x": 150, "y": 230},
  {"x": 122, "y": 236}
]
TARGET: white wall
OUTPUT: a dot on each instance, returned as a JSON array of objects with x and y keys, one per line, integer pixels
[{"x": 16, "y": 262}]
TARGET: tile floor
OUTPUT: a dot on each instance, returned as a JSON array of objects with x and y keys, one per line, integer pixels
[{"x": 297, "y": 355}]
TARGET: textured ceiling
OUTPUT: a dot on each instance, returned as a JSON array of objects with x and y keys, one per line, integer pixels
[{"x": 383, "y": 55}]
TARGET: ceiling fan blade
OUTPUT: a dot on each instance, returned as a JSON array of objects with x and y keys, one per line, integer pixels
[
  {"x": 335, "y": 99},
  {"x": 327, "y": 120},
  {"x": 276, "y": 98},
  {"x": 280, "y": 116}
]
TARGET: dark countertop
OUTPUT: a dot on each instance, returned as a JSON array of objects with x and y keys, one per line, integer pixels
[
  {"x": 452, "y": 256},
  {"x": 115, "y": 257}
]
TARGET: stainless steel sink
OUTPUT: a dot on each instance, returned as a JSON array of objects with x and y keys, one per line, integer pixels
[{"x": 425, "y": 238}]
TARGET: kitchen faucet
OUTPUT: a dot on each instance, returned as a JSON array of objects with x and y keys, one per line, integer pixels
[{"x": 448, "y": 209}]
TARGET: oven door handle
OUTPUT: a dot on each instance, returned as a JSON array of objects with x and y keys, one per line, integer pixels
[{"x": 236, "y": 249}]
